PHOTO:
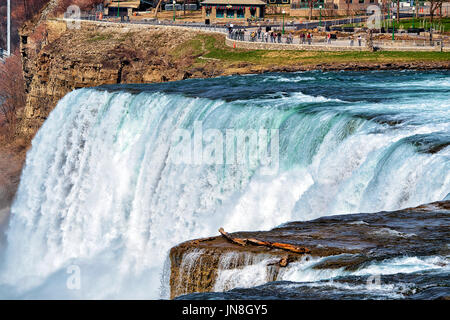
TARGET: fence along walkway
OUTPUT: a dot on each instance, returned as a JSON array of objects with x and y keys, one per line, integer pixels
[{"x": 249, "y": 42}]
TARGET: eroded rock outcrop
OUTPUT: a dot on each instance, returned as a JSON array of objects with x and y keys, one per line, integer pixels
[{"x": 350, "y": 241}]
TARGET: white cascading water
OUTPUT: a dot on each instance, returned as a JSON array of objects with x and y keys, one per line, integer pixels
[
  {"x": 98, "y": 190},
  {"x": 260, "y": 272}
]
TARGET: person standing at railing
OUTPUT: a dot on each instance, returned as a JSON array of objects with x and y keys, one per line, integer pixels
[
  {"x": 266, "y": 35},
  {"x": 302, "y": 38},
  {"x": 259, "y": 32},
  {"x": 290, "y": 38},
  {"x": 308, "y": 37},
  {"x": 329, "y": 38},
  {"x": 359, "y": 40}
]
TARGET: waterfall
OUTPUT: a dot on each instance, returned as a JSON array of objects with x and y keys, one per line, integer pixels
[
  {"x": 102, "y": 190},
  {"x": 304, "y": 271},
  {"x": 244, "y": 270}
]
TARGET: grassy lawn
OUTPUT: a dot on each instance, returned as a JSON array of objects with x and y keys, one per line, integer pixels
[
  {"x": 213, "y": 47},
  {"x": 418, "y": 23}
]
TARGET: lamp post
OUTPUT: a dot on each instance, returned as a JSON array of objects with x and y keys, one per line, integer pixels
[
  {"x": 320, "y": 15},
  {"x": 118, "y": 8},
  {"x": 393, "y": 26},
  {"x": 283, "y": 19},
  {"x": 413, "y": 9},
  {"x": 8, "y": 40},
  {"x": 174, "y": 12}
]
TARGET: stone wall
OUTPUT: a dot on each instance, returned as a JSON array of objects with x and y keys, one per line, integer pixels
[{"x": 285, "y": 46}]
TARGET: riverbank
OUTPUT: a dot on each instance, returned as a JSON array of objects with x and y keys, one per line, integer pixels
[{"x": 251, "y": 61}]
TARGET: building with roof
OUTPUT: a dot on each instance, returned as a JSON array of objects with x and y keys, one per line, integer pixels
[
  {"x": 124, "y": 8},
  {"x": 335, "y": 7},
  {"x": 238, "y": 11},
  {"x": 277, "y": 6}
]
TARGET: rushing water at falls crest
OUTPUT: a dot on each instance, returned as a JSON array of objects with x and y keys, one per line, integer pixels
[{"x": 100, "y": 190}]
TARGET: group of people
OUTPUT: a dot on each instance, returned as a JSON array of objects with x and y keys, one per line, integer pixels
[
  {"x": 237, "y": 34},
  {"x": 277, "y": 37},
  {"x": 272, "y": 36},
  {"x": 306, "y": 37},
  {"x": 352, "y": 41}
]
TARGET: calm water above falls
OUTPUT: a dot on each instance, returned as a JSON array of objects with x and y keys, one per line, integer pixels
[{"x": 99, "y": 190}]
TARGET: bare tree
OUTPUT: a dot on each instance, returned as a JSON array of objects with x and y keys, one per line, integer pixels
[
  {"x": 398, "y": 11},
  {"x": 417, "y": 9},
  {"x": 158, "y": 6},
  {"x": 434, "y": 5},
  {"x": 311, "y": 6},
  {"x": 12, "y": 91}
]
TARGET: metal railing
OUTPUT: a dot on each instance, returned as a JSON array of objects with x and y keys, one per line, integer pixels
[
  {"x": 324, "y": 41},
  {"x": 150, "y": 21}
]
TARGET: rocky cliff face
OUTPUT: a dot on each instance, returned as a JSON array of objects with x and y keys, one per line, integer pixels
[{"x": 346, "y": 242}]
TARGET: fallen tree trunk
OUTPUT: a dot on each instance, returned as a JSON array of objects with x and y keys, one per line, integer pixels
[
  {"x": 273, "y": 245},
  {"x": 241, "y": 242}
]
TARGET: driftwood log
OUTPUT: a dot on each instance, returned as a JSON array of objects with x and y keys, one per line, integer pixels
[{"x": 273, "y": 245}]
